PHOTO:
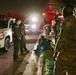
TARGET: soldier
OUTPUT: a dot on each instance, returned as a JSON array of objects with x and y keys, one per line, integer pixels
[
  {"x": 23, "y": 39},
  {"x": 65, "y": 51},
  {"x": 17, "y": 38},
  {"x": 57, "y": 27},
  {"x": 46, "y": 51}
]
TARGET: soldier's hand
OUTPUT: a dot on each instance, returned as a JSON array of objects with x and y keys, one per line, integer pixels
[
  {"x": 19, "y": 38},
  {"x": 56, "y": 54},
  {"x": 59, "y": 35}
]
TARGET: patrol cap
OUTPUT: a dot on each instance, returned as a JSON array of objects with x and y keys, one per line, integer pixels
[
  {"x": 56, "y": 17},
  {"x": 68, "y": 8},
  {"x": 42, "y": 36},
  {"x": 17, "y": 19}
]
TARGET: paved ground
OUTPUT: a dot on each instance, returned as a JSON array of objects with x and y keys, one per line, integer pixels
[
  {"x": 24, "y": 62},
  {"x": 25, "y": 65},
  {"x": 8, "y": 67},
  {"x": 5, "y": 60},
  {"x": 12, "y": 67},
  {"x": 35, "y": 65}
]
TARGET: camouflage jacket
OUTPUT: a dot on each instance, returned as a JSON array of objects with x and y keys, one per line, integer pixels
[{"x": 68, "y": 35}]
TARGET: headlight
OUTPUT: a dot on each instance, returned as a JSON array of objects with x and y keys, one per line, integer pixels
[
  {"x": 34, "y": 26},
  {"x": 1, "y": 35},
  {"x": 34, "y": 19}
]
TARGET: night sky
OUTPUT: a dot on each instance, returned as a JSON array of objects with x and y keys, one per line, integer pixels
[{"x": 22, "y": 6}]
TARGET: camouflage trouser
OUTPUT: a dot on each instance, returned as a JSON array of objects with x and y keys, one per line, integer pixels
[
  {"x": 23, "y": 45},
  {"x": 16, "y": 49},
  {"x": 49, "y": 66},
  {"x": 66, "y": 63}
]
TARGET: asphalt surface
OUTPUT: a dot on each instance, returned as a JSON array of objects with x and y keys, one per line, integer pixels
[{"x": 10, "y": 67}]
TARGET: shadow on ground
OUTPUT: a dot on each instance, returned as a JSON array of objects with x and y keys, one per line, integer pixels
[{"x": 14, "y": 66}]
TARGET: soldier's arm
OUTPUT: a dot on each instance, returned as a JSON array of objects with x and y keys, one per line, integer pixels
[
  {"x": 66, "y": 25},
  {"x": 65, "y": 32}
]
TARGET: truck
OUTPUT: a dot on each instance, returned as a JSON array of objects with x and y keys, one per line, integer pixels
[{"x": 6, "y": 33}]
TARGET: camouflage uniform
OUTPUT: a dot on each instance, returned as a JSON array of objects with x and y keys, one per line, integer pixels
[
  {"x": 57, "y": 28},
  {"x": 23, "y": 40},
  {"x": 16, "y": 37},
  {"x": 66, "y": 45}
]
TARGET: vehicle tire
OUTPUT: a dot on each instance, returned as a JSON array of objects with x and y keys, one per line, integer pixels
[{"x": 6, "y": 44}]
